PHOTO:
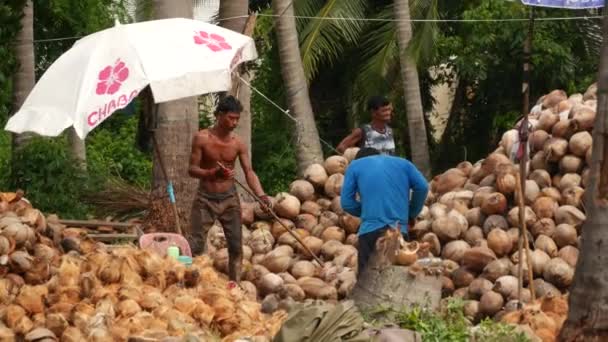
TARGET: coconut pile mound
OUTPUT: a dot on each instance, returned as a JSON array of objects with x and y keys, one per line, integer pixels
[
  {"x": 471, "y": 216},
  {"x": 469, "y": 220},
  {"x": 94, "y": 293}
]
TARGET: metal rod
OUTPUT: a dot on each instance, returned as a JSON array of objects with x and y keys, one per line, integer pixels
[{"x": 276, "y": 217}]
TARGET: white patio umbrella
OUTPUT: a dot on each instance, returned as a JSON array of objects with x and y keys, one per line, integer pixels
[{"x": 104, "y": 71}]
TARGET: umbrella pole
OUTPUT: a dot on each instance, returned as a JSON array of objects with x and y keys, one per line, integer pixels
[{"x": 169, "y": 184}]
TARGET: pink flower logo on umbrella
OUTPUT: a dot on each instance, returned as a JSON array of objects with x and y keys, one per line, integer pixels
[
  {"x": 111, "y": 78},
  {"x": 214, "y": 42}
]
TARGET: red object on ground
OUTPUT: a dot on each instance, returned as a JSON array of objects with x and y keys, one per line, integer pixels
[{"x": 159, "y": 242}]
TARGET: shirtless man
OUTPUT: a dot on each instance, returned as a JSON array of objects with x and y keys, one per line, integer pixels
[
  {"x": 377, "y": 134},
  {"x": 217, "y": 197}
]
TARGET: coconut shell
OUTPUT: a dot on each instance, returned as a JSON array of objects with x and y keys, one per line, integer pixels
[
  {"x": 565, "y": 235},
  {"x": 555, "y": 148},
  {"x": 531, "y": 192},
  {"x": 553, "y": 193},
  {"x": 454, "y": 250},
  {"x": 580, "y": 143},
  {"x": 544, "y": 288},
  {"x": 558, "y": 273},
  {"x": 433, "y": 241},
  {"x": 569, "y": 254},
  {"x": 302, "y": 189},
  {"x": 490, "y": 303},
  {"x": 541, "y": 177},
  {"x": 493, "y": 204},
  {"x": 477, "y": 258},
  {"x": 546, "y": 244},
  {"x": 570, "y": 164},
  {"x": 499, "y": 242}
]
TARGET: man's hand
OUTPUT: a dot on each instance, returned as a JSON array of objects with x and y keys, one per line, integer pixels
[
  {"x": 224, "y": 173},
  {"x": 267, "y": 202}
]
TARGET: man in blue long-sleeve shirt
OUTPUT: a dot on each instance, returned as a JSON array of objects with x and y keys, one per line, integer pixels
[{"x": 383, "y": 184}]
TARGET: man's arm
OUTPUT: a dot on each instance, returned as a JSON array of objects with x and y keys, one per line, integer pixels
[
  {"x": 420, "y": 189},
  {"x": 351, "y": 140},
  {"x": 195, "y": 169},
  {"x": 252, "y": 179},
  {"x": 348, "y": 195}
]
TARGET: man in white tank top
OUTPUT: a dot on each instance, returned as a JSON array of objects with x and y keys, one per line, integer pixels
[{"x": 377, "y": 134}]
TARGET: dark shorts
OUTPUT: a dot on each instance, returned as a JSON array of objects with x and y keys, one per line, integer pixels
[{"x": 224, "y": 207}]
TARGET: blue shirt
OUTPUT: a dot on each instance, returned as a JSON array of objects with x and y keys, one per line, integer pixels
[{"x": 383, "y": 184}]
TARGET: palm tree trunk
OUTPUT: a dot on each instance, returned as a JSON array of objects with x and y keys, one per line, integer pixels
[
  {"x": 308, "y": 146},
  {"x": 587, "y": 311},
  {"x": 231, "y": 9},
  {"x": 25, "y": 77},
  {"x": 411, "y": 89},
  {"x": 177, "y": 124}
]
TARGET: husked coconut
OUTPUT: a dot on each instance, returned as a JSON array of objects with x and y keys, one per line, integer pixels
[
  {"x": 352, "y": 239},
  {"x": 570, "y": 215},
  {"x": 538, "y": 259},
  {"x": 333, "y": 233},
  {"x": 554, "y": 98},
  {"x": 490, "y": 303},
  {"x": 270, "y": 283},
  {"x": 293, "y": 291},
  {"x": 471, "y": 310},
  {"x": 480, "y": 194},
  {"x": 488, "y": 180},
  {"x": 336, "y": 205},
  {"x": 302, "y": 189},
  {"x": 529, "y": 216},
  {"x": 546, "y": 120},
  {"x": 462, "y": 277},
  {"x": 565, "y": 235},
  {"x": 475, "y": 217},
  {"x": 569, "y": 180},
  {"x": 558, "y": 273},
  {"x": 310, "y": 207},
  {"x": 433, "y": 241},
  {"x": 583, "y": 118},
  {"x": 479, "y": 286},
  {"x": 466, "y": 167},
  {"x": 509, "y": 138},
  {"x": 546, "y": 244},
  {"x": 499, "y": 242},
  {"x": 329, "y": 219},
  {"x": 589, "y": 155},
  {"x": 505, "y": 179},
  {"x": 438, "y": 210},
  {"x": 531, "y": 192},
  {"x": 462, "y": 293},
  {"x": 316, "y": 175},
  {"x": 447, "y": 286},
  {"x": 493, "y": 204},
  {"x": 495, "y": 221},
  {"x": 537, "y": 140},
  {"x": 573, "y": 196},
  {"x": 454, "y": 250},
  {"x": 333, "y": 185},
  {"x": 335, "y": 164},
  {"x": 544, "y": 207},
  {"x": 278, "y": 228},
  {"x": 541, "y": 177},
  {"x": 585, "y": 177},
  {"x": 544, "y": 288},
  {"x": 447, "y": 229},
  {"x": 450, "y": 180},
  {"x": 539, "y": 160},
  {"x": 553, "y": 193},
  {"x": 279, "y": 259},
  {"x": 563, "y": 129},
  {"x": 329, "y": 249},
  {"x": 350, "y": 153},
  {"x": 313, "y": 243},
  {"x": 477, "y": 258},
  {"x": 420, "y": 228},
  {"x": 570, "y": 163},
  {"x": 569, "y": 254},
  {"x": 303, "y": 268},
  {"x": 350, "y": 223},
  {"x": 490, "y": 163},
  {"x": 287, "y": 206},
  {"x": 324, "y": 203},
  {"x": 473, "y": 235},
  {"x": 506, "y": 285},
  {"x": 317, "y": 288},
  {"x": 555, "y": 148}
]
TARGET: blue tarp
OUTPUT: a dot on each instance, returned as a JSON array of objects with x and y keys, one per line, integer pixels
[{"x": 571, "y": 4}]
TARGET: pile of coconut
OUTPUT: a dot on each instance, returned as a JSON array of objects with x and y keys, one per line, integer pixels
[
  {"x": 470, "y": 220},
  {"x": 95, "y": 294}
]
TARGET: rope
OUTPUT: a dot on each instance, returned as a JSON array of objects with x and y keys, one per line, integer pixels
[{"x": 284, "y": 111}]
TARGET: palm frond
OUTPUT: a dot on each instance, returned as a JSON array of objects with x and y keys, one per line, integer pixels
[
  {"x": 591, "y": 32},
  {"x": 324, "y": 41},
  {"x": 422, "y": 47}
]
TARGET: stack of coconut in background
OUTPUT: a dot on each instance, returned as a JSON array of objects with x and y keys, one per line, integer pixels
[{"x": 470, "y": 220}]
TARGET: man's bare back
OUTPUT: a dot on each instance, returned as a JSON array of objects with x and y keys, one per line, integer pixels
[{"x": 212, "y": 149}]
